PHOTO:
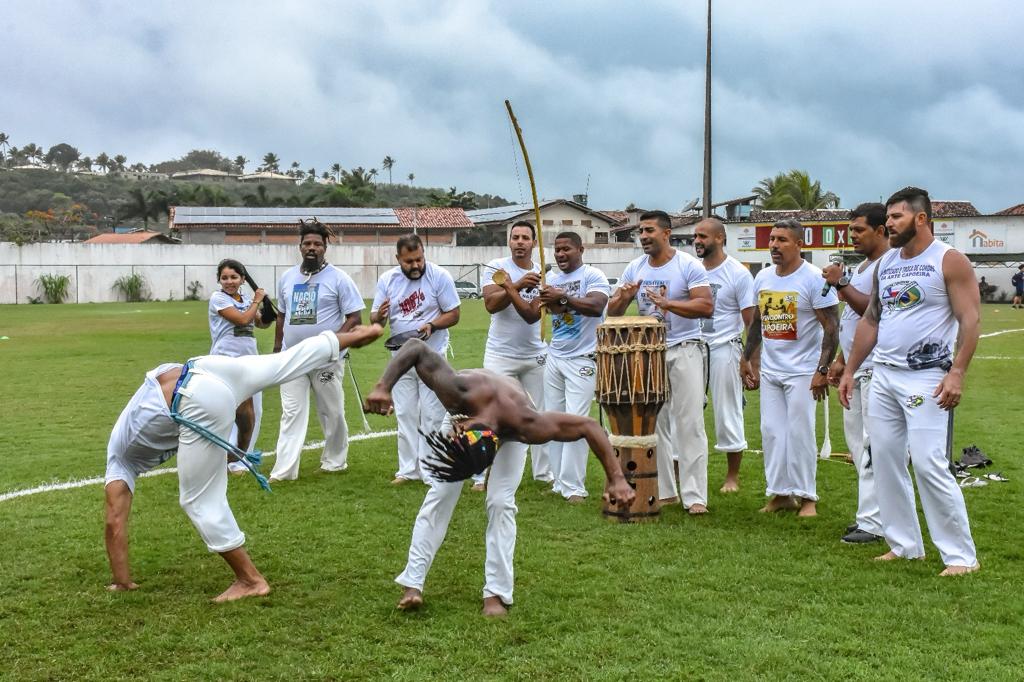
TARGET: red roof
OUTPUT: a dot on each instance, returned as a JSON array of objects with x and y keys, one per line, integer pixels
[
  {"x": 1013, "y": 210},
  {"x": 138, "y": 237},
  {"x": 953, "y": 209},
  {"x": 432, "y": 217}
]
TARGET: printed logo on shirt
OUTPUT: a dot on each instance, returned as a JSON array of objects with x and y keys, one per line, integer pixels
[
  {"x": 643, "y": 299},
  {"x": 778, "y": 315},
  {"x": 567, "y": 325},
  {"x": 303, "y": 304},
  {"x": 326, "y": 377},
  {"x": 707, "y": 324},
  {"x": 901, "y": 296},
  {"x": 411, "y": 302},
  {"x": 928, "y": 353}
]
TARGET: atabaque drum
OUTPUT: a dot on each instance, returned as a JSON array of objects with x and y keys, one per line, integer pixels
[{"x": 632, "y": 386}]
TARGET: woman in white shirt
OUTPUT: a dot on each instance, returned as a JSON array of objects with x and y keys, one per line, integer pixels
[{"x": 233, "y": 316}]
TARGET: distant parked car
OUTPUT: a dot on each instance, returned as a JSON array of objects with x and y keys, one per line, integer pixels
[{"x": 467, "y": 290}]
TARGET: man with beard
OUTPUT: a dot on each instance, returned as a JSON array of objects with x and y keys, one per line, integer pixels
[
  {"x": 514, "y": 346},
  {"x": 868, "y": 235},
  {"x": 732, "y": 288},
  {"x": 575, "y": 297},
  {"x": 923, "y": 303},
  {"x": 493, "y": 412},
  {"x": 418, "y": 299},
  {"x": 313, "y": 297},
  {"x": 673, "y": 287},
  {"x": 800, "y": 336}
]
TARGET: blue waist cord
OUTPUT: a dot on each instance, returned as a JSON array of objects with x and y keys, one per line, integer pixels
[{"x": 250, "y": 460}]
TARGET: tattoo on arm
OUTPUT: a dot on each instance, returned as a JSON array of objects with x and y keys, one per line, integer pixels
[
  {"x": 829, "y": 318},
  {"x": 753, "y": 336}
]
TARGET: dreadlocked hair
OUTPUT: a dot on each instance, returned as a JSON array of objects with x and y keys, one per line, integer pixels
[{"x": 456, "y": 458}]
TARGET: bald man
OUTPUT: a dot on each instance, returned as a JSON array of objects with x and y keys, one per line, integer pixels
[{"x": 732, "y": 289}]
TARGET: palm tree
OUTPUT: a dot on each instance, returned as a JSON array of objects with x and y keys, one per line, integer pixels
[
  {"x": 271, "y": 162},
  {"x": 325, "y": 175},
  {"x": 372, "y": 173},
  {"x": 240, "y": 162},
  {"x": 261, "y": 198},
  {"x": 103, "y": 161},
  {"x": 311, "y": 174},
  {"x": 5, "y": 143},
  {"x": 84, "y": 163},
  {"x": 794, "y": 191},
  {"x": 387, "y": 164},
  {"x": 147, "y": 206},
  {"x": 412, "y": 177},
  {"x": 336, "y": 169},
  {"x": 32, "y": 152}
]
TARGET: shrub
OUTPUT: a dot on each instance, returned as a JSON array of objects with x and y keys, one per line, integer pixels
[
  {"x": 133, "y": 287},
  {"x": 195, "y": 288},
  {"x": 54, "y": 287}
]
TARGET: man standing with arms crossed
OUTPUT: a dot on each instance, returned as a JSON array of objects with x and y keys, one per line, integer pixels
[
  {"x": 801, "y": 332},
  {"x": 416, "y": 298},
  {"x": 514, "y": 346},
  {"x": 869, "y": 237},
  {"x": 314, "y": 297},
  {"x": 732, "y": 289},
  {"x": 673, "y": 287},
  {"x": 924, "y": 301}
]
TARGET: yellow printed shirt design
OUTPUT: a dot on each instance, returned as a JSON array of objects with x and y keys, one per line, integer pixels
[{"x": 778, "y": 315}]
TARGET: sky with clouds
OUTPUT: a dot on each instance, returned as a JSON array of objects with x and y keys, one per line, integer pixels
[{"x": 868, "y": 95}]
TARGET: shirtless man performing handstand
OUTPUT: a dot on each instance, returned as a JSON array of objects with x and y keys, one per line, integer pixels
[{"x": 486, "y": 410}]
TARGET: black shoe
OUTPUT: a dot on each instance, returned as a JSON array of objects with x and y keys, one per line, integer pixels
[
  {"x": 852, "y": 527},
  {"x": 974, "y": 457},
  {"x": 860, "y": 537}
]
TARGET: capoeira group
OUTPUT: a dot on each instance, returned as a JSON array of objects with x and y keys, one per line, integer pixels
[{"x": 907, "y": 335}]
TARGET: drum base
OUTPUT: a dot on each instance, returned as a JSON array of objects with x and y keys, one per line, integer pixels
[{"x": 640, "y": 467}]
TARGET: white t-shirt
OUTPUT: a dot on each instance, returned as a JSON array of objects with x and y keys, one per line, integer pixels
[
  {"x": 790, "y": 332},
  {"x": 674, "y": 279},
  {"x": 572, "y": 333},
  {"x": 414, "y": 302},
  {"x": 317, "y": 303},
  {"x": 509, "y": 335},
  {"x": 144, "y": 436},
  {"x": 228, "y": 338},
  {"x": 732, "y": 287},
  {"x": 862, "y": 281}
]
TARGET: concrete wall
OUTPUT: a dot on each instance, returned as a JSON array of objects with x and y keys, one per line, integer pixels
[{"x": 169, "y": 268}]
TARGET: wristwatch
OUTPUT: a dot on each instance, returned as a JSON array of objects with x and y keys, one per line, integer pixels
[
  {"x": 564, "y": 300},
  {"x": 823, "y": 370},
  {"x": 843, "y": 281}
]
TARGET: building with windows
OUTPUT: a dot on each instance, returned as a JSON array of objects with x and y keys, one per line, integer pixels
[{"x": 556, "y": 215}]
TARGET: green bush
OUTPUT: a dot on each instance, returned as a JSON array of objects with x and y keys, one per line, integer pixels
[
  {"x": 54, "y": 287},
  {"x": 195, "y": 288},
  {"x": 133, "y": 287}
]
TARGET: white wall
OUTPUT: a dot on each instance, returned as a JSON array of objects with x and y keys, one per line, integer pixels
[{"x": 169, "y": 268}]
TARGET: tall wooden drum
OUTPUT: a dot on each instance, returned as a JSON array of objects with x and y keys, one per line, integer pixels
[{"x": 632, "y": 385}]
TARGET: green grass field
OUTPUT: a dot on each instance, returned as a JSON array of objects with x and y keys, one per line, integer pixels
[{"x": 735, "y": 595}]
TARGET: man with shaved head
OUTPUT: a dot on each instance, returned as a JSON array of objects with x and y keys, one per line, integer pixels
[{"x": 732, "y": 288}]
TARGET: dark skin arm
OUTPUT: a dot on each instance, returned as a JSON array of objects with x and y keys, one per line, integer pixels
[
  {"x": 279, "y": 332},
  {"x": 853, "y": 298},
  {"x": 245, "y": 420},
  {"x": 447, "y": 319},
  {"x": 591, "y": 305},
  {"x": 750, "y": 369},
  {"x": 498, "y": 297},
  {"x": 700, "y": 303},
  {"x": 864, "y": 340},
  {"x": 829, "y": 319},
  {"x": 432, "y": 370}
]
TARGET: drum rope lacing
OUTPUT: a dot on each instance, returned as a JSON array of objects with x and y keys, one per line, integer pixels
[{"x": 647, "y": 383}]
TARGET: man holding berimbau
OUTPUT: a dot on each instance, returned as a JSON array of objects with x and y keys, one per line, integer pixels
[{"x": 489, "y": 412}]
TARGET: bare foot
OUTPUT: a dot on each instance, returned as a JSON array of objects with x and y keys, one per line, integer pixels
[
  {"x": 731, "y": 485},
  {"x": 778, "y": 503},
  {"x": 241, "y": 590},
  {"x": 892, "y": 556},
  {"x": 478, "y": 487},
  {"x": 959, "y": 570},
  {"x": 399, "y": 480},
  {"x": 411, "y": 600},
  {"x": 572, "y": 499},
  {"x": 808, "y": 508},
  {"x": 494, "y": 607},
  {"x": 696, "y": 509},
  {"x": 670, "y": 500},
  {"x": 122, "y": 587}
]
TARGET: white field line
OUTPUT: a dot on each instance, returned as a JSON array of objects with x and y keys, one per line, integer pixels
[
  {"x": 999, "y": 333},
  {"x": 81, "y": 483}
]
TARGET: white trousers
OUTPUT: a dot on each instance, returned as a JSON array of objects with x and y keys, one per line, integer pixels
[
  {"x": 727, "y": 397},
  {"x": 905, "y": 418},
  {"x": 529, "y": 372},
  {"x": 257, "y": 406},
  {"x": 787, "y": 435},
  {"x": 416, "y": 409},
  {"x": 330, "y": 409},
  {"x": 855, "y": 423},
  {"x": 569, "y": 385},
  {"x": 431, "y": 524},
  {"x": 218, "y": 385},
  {"x": 681, "y": 434}
]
